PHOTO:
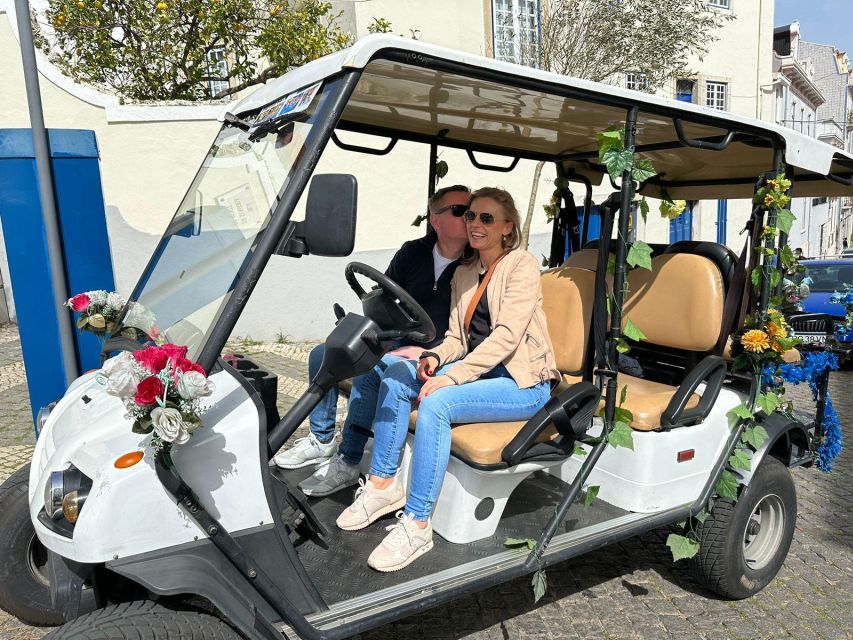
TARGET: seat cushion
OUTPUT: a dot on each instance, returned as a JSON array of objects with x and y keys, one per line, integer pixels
[
  {"x": 647, "y": 400},
  {"x": 483, "y": 442}
]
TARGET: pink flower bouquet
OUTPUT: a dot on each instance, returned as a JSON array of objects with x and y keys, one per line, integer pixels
[{"x": 161, "y": 390}]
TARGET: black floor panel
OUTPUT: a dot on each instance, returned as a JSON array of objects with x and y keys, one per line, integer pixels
[{"x": 341, "y": 572}]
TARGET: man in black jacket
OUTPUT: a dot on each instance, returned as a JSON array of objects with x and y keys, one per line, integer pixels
[{"x": 424, "y": 268}]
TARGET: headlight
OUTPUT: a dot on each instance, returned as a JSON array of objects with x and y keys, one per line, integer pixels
[
  {"x": 65, "y": 493},
  {"x": 41, "y": 418}
]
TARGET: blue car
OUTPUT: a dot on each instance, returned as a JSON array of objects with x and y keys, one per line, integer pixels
[{"x": 828, "y": 277}]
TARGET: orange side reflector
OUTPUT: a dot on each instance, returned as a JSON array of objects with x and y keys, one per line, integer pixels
[
  {"x": 683, "y": 456},
  {"x": 130, "y": 459}
]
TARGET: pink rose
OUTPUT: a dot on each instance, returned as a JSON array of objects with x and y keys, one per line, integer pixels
[
  {"x": 148, "y": 391},
  {"x": 185, "y": 366},
  {"x": 79, "y": 303},
  {"x": 152, "y": 358},
  {"x": 174, "y": 352}
]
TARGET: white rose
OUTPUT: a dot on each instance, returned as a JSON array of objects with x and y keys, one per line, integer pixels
[
  {"x": 119, "y": 375},
  {"x": 192, "y": 385},
  {"x": 169, "y": 425}
]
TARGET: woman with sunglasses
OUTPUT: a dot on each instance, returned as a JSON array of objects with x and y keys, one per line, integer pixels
[{"x": 495, "y": 363}]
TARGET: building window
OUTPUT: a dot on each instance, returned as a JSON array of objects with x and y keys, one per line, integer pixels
[
  {"x": 816, "y": 202},
  {"x": 636, "y": 81},
  {"x": 720, "y": 4},
  {"x": 684, "y": 90},
  {"x": 716, "y": 94},
  {"x": 516, "y": 31},
  {"x": 217, "y": 67}
]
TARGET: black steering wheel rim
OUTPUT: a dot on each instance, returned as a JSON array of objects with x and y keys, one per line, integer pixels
[{"x": 423, "y": 329}]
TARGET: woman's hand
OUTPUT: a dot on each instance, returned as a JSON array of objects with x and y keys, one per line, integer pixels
[
  {"x": 411, "y": 352},
  {"x": 426, "y": 368},
  {"x": 434, "y": 384}
]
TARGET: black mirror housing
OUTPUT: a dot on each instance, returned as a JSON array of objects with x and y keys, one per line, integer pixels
[{"x": 330, "y": 215}]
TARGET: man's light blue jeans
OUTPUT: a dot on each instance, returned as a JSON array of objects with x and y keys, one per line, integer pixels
[
  {"x": 494, "y": 397},
  {"x": 362, "y": 407}
]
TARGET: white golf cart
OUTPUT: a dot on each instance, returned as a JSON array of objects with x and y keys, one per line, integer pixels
[{"x": 210, "y": 541}]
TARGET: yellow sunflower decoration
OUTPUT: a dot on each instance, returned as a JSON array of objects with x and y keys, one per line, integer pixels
[{"x": 755, "y": 341}]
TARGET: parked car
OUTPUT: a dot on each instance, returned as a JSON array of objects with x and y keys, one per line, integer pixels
[{"x": 828, "y": 277}]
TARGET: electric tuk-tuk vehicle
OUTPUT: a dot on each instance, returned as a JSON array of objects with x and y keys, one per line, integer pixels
[{"x": 209, "y": 540}]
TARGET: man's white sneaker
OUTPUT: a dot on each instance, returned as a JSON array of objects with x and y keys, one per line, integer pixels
[
  {"x": 331, "y": 476},
  {"x": 305, "y": 452},
  {"x": 405, "y": 543},
  {"x": 370, "y": 504}
]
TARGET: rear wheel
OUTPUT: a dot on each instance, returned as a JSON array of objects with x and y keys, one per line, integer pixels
[
  {"x": 24, "y": 580},
  {"x": 743, "y": 544},
  {"x": 144, "y": 620}
]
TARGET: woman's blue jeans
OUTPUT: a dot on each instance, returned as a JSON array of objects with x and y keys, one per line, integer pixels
[
  {"x": 361, "y": 410},
  {"x": 494, "y": 397}
]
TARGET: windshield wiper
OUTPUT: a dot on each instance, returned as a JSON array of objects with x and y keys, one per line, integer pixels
[{"x": 230, "y": 118}]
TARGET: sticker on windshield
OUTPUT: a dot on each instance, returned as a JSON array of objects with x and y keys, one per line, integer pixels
[{"x": 290, "y": 104}]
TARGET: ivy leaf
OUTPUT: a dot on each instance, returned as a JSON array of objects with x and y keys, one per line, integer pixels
[
  {"x": 740, "y": 459},
  {"x": 784, "y": 220},
  {"x": 775, "y": 277},
  {"x": 640, "y": 255},
  {"x": 417, "y": 221},
  {"x": 727, "y": 485},
  {"x": 617, "y": 161},
  {"x": 623, "y": 415},
  {"x": 643, "y": 170},
  {"x": 580, "y": 451},
  {"x": 622, "y": 346},
  {"x": 621, "y": 436},
  {"x": 643, "y": 206},
  {"x": 540, "y": 585},
  {"x": 441, "y": 169},
  {"x": 682, "y": 547},
  {"x": 609, "y": 140},
  {"x": 611, "y": 265},
  {"x": 768, "y": 402},
  {"x": 787, "y": 256},
  {"x": 755, "y": 276},
  {"x": 755, "y": 436},
  {"x": 623, "y": 395},
  {"x": 632, "y": 331},
  {"x": 702, "y": 515},
  {"x": 515, "y": 543},
  {"x": 742, "y": 411},
  {"x": 591, "y": 495}
]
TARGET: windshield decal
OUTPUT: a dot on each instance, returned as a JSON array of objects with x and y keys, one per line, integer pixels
[{"x": 290, "y": 104}]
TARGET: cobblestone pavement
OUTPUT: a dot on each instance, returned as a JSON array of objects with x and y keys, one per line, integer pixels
[{"x": 628, "y": 590}]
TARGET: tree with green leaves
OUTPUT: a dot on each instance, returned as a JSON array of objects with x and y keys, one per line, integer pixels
[
  {"x": 169, "y": 49},
  {"x": 601, "y": 41}
]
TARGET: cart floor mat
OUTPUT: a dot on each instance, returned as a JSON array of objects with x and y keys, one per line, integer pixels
[{"x": 341, "y": 572}]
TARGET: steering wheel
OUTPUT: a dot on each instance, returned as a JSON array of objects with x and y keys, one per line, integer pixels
[{"x": 390, "y": 306}]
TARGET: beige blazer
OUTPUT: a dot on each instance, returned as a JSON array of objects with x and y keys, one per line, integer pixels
[{"x": 519, "y": 337}]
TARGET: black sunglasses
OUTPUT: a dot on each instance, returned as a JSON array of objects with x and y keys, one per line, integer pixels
[
  {"x": 458, "y": 210},
  {"x": 485, "y": 218}
]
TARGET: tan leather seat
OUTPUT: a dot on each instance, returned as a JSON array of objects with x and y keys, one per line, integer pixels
[
  {"x": 678, "y": 304},
  {"x": 567, "y": 299},
  {"x": 583, "y": 259}
]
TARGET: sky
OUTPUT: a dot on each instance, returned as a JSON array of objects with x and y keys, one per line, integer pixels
[{"x": 821, "y": 21}]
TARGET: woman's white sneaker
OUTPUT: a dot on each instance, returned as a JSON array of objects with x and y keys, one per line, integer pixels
[
  {"x": 370, "y": 504},
  {"x": 305, "y": 452},
  {"x": 331, "y": 476},
  {"x": 405, "y": 543}
]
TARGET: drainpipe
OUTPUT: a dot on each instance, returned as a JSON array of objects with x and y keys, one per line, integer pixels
[{"x": 41, "y": 146}]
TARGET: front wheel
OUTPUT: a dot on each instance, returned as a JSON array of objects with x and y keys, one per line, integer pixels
[
  {"x": 24, "y": 580},
  {"x": 144, "y": 620},
  {"x": 743, "y": 544}
]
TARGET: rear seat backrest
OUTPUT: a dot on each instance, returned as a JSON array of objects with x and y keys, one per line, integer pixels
[
  {"x": 583, "y": 259},
  {"x": 567, "y": 299},
  {"x": 679, "y": 303}
]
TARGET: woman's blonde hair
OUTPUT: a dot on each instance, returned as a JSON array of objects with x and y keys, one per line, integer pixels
[{"x": 505, "y": 200}]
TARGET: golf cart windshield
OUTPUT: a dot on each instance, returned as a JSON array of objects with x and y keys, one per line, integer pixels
[{"x": 214, "y": 231}]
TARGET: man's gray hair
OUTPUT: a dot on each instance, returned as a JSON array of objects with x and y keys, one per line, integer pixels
[{"x": 438, "y": 195}]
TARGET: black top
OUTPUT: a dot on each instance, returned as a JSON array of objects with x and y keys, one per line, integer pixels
[
  {"x": 481, "y": 321},
  {"x": 412, "y": 268}
]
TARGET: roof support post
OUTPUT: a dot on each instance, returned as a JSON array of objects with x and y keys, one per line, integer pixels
[{"x": 770, "y": 243}]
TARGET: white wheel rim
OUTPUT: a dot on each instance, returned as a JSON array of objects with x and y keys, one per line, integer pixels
[{"x": 763, "y": 532}]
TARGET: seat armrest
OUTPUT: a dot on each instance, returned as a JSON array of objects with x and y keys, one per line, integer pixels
[
  {"x": 712, "y": 371},
  {"x": 570, "y": 412}
]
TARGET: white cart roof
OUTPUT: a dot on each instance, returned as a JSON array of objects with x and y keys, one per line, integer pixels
[{"x": 414, "y": 90}]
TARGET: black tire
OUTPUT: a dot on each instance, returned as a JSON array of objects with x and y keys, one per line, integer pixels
[
  {"x": 144, "y": 620},
  {"x": 24, "y": 581},
  {"x": 743, "y": 544}
]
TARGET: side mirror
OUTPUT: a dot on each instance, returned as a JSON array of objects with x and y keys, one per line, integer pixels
[{"x": 329, "y": 225}]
